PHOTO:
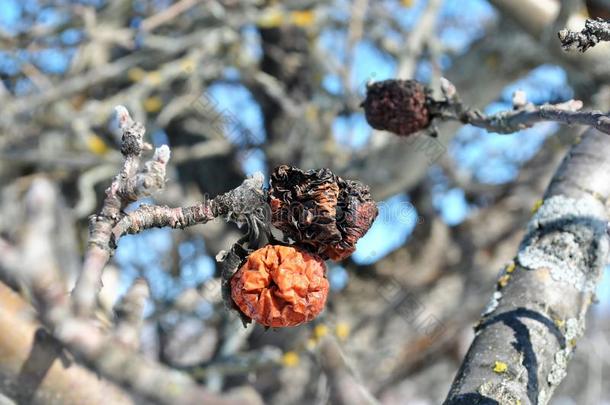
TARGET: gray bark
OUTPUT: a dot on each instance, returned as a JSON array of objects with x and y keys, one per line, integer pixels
[
  {"x": 529, "y": 331},
  {"x": 594, "y": 32}
]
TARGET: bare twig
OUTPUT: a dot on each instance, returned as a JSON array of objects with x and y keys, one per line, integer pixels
[
  {"x": 113, "y": 359},
  {"x": 170, "y": 13},
  {"x": 524, "y": 114},
  {"x": 245, "y": 204},
  {"x": 127, "y": 186},
  {"x": 418, "y": 39},
  {"x": 594, "y": 32},
  {"x": 237, "y": 204},
  {"x": 535, "y": 17},
  {"x": 240, "y": 363}
]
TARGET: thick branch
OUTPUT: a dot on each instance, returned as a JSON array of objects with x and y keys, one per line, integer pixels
[
  {"x": 528, "y": 332},
  {"x": 35, "y": 373},
  {"x": 594, "y": 32},
  {"x": 113, "y": 359}
]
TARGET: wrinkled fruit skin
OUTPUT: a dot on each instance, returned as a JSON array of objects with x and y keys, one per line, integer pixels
[
  {"x": 303, "y": 205},
  {"x": 398, "y": 106},
  {"x": 356, "y": 212},
  {"x": 280, "y": 286},
  {"x": 320, "y": 211}
]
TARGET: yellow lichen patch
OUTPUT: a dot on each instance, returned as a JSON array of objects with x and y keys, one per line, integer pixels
[
  {"x": 198, "y": 373},
  {"x": 311, "y": 344},
  {"x": 500, "y": 367},
  {"x": 78, "y": 101},
  {"x": 271, "y": 18},
  {"x": 559, "y": 323},
  {"x": 136, "y": 74},
  {"x": 290, "y": 359},
  {"x": 342, "y": 330},
  {"x": 187, "y": 65},
  {"x": 311, "y": 112},
  {"x": 406, "y": 3},
  {"x": 96, "y": 144},
  {"x": 598, "y": 196},
  {"x": 511, "y": 267},
  {"x": 152, "y": 104},
  {"x": 303, "y": 18},
  {"x": 537, "y": 206},
  {"x": 174, "y": 388},
  {"x": 572, "y": 342},
  {"x": 154, "y": 78},
  {"x": 320, "y": 331},
  {"x": 503, "y": 281}
]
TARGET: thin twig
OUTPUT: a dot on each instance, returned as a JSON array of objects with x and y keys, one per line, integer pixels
[
  {"x": 244, "y": 204},
  {"x": 168, "y": 14},
  {"x": 236, "y": 204},
  {"x": 126, "y": 187},
  {"x": 595, "y": 31},
  {"x": 524, "y": 114}
]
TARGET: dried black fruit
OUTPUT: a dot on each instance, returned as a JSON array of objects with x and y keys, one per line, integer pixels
[
  {"x": 320, "y": 211},
  {"x": 356, "y": 211},
  {"x": 398, "y": 106},
  {"x": 303, "y": 205}
]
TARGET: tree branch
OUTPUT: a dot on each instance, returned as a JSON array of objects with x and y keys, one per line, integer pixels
[
  {"x": 106, "y": 351},
  {"x": 594, "y": 32},
  {"x": 528, "y": 332},
  {"x": 344, "y": 386},
  {"x": 58, "y": 381},
  {"x": 237, "y": 204},
  {"x": 127, "y": 187},
  {"x": 111, "y": 352},
  {"x": 241, "y": 205},
  {"x": 524, "y": 114}
]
